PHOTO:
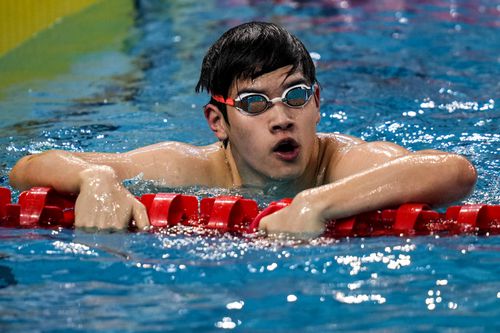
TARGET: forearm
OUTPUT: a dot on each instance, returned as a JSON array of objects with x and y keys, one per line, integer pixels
[
  {"x": 432, "y": 179},
  {"x": 58, "y": 169}
]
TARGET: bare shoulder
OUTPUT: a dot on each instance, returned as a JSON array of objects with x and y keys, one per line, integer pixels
[
  {"x": 178, "y": 163},
  {"x": 176, "y": 149},
  {"x": 352, "y": 155},
  {"x": 338, "y": 140}
]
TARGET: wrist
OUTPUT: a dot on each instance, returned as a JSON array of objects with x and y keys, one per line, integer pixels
[
  {"x": 307, "y": 210},
  {"x": 306, "y": 203},
  {"x": 97, "y": 173}
]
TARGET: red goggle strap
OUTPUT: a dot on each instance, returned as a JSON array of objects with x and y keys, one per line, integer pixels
[{"x": 220, "y": 99}]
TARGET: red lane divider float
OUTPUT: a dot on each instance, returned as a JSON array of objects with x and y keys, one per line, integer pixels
[{"x": 44, "y": 207}]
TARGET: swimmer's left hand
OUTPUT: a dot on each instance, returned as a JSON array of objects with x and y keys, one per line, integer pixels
[{"x": 300, "y": 220}]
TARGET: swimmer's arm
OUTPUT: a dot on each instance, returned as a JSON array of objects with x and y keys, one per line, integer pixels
[
  {"x": 171, "y": 163},
  {"x": 372, "y": 176},
  {"x": 55, "y": 168},
  {"x": 62, "y": 170},
  {"x": 103, "y": 201}
]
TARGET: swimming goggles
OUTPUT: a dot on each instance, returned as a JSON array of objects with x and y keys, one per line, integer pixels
[{"x": 253, "y": 104}]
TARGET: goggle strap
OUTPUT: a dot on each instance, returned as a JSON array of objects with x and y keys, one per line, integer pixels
[{"x": 220, "y": 99}]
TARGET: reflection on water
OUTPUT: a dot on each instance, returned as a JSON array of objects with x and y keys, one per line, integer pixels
[{"x": 201, "y": 282}]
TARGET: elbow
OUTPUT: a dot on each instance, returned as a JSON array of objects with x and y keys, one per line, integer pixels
[
  {"x": 463, "y": 177},
  {"x": 466, "y": 175},
  {"x": 26, "y": 172},
  {"x": 17, "y": 178},
  {"x": 448, "y": 178}
]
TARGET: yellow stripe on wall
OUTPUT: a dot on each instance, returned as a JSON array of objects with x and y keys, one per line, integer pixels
[
  {"x": 96, "y": 28},
  {"x": 22, "y": 19}
]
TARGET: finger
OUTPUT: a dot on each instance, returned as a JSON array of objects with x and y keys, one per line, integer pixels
[
  {"x": 78, "y": 219},
  {"x": 82, "y": 218},
  {"x": 140, "y": 215},
  {"x": 263, "y": 224}
]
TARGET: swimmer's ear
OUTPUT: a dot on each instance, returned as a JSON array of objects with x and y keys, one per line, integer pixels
[
  {"x": 317, "y": 95},
  {"x": 216, "y": 121}
]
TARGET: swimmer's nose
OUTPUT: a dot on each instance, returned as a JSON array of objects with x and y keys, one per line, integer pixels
[{"x": 281, "y": 118}]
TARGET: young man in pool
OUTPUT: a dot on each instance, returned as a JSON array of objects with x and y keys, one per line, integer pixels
[{"x": 264, "y": 108}]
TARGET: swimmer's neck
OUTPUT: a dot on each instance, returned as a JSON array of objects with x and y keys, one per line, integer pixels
[{"x": 238, "y": 178}]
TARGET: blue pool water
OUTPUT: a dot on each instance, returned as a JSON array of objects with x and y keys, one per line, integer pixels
[{"x": 423, "y": 74}]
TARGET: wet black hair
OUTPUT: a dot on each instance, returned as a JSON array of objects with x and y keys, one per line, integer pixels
[{"x": 248, "y": 51}]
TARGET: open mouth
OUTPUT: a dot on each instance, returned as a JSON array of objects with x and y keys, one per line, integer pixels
[{"x": 287, "y": 149}]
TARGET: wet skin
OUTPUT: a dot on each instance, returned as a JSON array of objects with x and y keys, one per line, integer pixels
[
  {"x": 276, "y": 145},
  {"x": 330, "y": 175}
]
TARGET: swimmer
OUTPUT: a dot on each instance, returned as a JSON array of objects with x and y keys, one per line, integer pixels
[{"x": 264, "y": 108}]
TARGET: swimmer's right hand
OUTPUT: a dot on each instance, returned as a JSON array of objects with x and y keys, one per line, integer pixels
[{"x": 104, "y": 203}]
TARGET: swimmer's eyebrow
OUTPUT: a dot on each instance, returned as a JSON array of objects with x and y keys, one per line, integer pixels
[{"x": 285, "y": 87}]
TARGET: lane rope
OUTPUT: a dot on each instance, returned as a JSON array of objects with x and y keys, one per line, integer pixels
[{"x": 43, "y": 207}]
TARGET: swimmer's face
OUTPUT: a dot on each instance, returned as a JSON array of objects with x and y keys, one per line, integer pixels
[{"x": 277, "y": 144}]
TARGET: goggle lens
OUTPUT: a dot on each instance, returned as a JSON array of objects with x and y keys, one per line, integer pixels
[
  {"x": 253, "y": 104},
  {"x": 297, "y": 96}
]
